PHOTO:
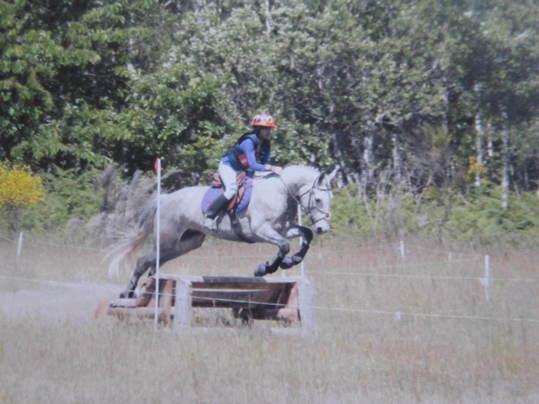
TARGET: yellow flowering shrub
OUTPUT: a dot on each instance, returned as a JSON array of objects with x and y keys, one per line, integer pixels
[{"x": 19, "y": 187}]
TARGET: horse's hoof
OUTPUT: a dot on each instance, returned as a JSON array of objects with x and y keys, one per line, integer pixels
[
  {"x": 287, "y": 263},
  {"x": 260, "y": 270},
  {"x": 126, "y": 294}
]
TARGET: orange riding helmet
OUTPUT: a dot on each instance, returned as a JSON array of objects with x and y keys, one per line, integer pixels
[{"x": 264, "y": 120}]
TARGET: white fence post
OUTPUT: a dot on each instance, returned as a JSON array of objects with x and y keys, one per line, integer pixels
[
  {"x": 19, "y": 245},
  {"x": 300, "y": 222},
  {"x": 157, "y": 240},
  {"x": 402, "y": 249},
  {"x": 485, "y": 281}
]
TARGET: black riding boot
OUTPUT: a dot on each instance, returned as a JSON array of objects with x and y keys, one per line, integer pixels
[{"x": 216, "y": 207}]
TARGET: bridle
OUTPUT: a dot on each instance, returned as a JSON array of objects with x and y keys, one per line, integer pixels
[{"x": 310, "y": 206}]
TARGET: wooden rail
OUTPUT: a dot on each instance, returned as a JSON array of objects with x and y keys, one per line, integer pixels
[{"x": 289, "y": 300}]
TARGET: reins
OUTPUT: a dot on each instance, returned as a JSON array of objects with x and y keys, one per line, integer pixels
[{"x": 310, "y": 207}]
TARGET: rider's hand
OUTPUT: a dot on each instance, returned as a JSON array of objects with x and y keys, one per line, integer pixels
[{"x": 277, "y": 170}]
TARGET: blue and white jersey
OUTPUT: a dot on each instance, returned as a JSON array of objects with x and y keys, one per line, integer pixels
[{"x": 248, "y": 154}]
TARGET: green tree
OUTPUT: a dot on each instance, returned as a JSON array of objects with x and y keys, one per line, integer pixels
[
  {"x": 177, "y": 113},
  {"x": 62, "y": 63}
]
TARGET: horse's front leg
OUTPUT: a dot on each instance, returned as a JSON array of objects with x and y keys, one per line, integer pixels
[
  {"x": 307, "y": 237},
  {"x": 269, "y": 235},
  {"x": 269, "y": 268}
]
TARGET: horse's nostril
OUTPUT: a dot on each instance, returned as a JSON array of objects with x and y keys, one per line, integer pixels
[{"x": 319, "y": 230}]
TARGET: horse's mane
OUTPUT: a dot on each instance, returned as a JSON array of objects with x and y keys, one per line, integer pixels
[
  {"x": 302, "y": 167},
  {"x": 300, "y": 170},
  {"x": 292, "y": 173}
]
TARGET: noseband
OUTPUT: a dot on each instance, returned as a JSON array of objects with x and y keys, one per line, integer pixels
[{"x": 310, "y": 205}]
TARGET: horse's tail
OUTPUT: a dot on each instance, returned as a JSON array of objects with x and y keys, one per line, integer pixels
[{"x": 130, "y": 243}]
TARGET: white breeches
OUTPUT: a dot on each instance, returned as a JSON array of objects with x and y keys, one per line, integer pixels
[{"x": 228, "y": 176}]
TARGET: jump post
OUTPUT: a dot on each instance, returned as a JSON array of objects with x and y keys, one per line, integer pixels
[{"x": 289, "y": 300}]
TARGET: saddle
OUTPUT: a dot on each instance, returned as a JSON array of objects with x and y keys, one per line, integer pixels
[
  {"x": 236, "y": 199},
  {"x": 238, "y": 203}
]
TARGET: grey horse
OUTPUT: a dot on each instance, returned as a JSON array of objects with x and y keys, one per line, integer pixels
[{"x": 269, "y": 218}]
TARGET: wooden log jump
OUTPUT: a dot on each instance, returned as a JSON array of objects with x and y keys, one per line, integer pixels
[{"x": 289, "y": 300}]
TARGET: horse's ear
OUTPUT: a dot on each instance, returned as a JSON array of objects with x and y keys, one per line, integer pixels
[
  {"x": 321, "y": 179},
  {"x": 332, "y": 175}
]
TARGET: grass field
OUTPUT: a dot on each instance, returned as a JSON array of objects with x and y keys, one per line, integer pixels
[{"x": 391, "y": 329}]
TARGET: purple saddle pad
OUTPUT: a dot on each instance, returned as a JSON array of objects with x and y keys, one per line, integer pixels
[{"x": 212, "y": 193}]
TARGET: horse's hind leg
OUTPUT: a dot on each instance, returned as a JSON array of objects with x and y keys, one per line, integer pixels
[
  {"x": 190, "y": 240},
  {"x": 143, "y": 263}
]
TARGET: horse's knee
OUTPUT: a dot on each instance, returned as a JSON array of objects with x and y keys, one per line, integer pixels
[
  {"x": 284, "y": 248},
  {"x": 308, "y": 234}
]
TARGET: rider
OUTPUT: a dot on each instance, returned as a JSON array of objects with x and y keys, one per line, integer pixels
[{"x": 250, "y": 153}]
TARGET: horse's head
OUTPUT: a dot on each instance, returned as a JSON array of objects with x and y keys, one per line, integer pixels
[{"x": 318, "y": 203}]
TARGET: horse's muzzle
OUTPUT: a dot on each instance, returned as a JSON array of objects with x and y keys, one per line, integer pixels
[{"x": 322, "y": 228}]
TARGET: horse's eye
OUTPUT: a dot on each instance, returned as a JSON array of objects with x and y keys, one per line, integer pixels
[{"x": 318, "y": 200}]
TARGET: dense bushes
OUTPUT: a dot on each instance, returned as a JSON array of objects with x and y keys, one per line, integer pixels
[
  {"x": 444, "y": 214},
  {"x": 66, "y": 195}
]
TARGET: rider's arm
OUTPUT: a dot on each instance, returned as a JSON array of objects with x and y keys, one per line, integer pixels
[
  {"x": 248, "y": 148},
  {"x": 266, "y": 156},
  {"x": 265, "y": 161}
]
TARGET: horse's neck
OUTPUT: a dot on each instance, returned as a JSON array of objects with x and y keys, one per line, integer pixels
[{"x": 296, "y": 182}]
